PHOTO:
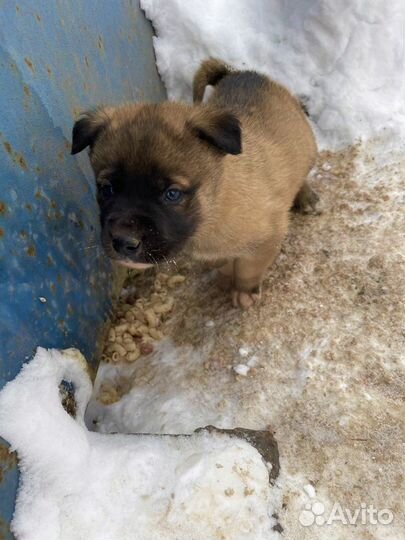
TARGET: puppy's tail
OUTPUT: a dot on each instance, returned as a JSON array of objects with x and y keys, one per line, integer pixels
[{"x": 210, "y": 72}]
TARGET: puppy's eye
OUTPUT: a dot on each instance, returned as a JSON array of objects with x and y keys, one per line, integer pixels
[
  {"x": 106, "y": 191},
  {"x": 173, "y": 195}
]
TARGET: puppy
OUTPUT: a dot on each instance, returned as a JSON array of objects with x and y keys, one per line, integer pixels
[{"x": 216, "y": 179}]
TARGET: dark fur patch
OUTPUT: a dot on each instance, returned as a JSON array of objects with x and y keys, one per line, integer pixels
[
  {"x": 85, "y": 131},
  {"x": 241, "y": 89},
  {"x": 221, "y": 129},
  {"x": 137, "y": 208}
]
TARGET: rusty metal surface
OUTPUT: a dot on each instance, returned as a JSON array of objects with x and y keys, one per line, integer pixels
[{"x": 56, "y": 59}]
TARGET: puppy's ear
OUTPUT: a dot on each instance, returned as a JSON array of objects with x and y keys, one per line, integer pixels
[
  {"x": 218, "y": 127},
  {"x": 87, "y": 128}
]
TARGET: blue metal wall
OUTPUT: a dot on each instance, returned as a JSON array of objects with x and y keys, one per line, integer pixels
[{"x": 57, "y": 58}]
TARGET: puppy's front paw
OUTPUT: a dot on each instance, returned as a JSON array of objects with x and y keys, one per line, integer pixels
[{"x": 245, "y": 300}]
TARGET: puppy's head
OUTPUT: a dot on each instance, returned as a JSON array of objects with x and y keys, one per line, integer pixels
[{"x": 156, "y": 168}]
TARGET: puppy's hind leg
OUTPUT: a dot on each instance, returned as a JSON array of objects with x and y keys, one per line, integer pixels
[{"x": 306, "y": 200}]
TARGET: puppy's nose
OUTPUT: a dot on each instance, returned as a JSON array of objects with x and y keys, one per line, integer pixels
[{"x": 125, "y": 246}]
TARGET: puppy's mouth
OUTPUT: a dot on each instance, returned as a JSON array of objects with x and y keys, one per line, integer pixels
[{"x": 131, "y": 264}]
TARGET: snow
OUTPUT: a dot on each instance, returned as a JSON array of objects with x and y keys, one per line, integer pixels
[
  {"x": 241, "y": 369},
  {"x": 81, "y": 485},
  {"x": 244, "y": 351},
  {"x": 345, "y": 59},
  {"x": 310, "y": 490}
]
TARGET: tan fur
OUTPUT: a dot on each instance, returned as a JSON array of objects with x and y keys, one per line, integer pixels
[
  {"x": 244, "y": 199},
  {"x": 209, "y": 73},
  {"x": 259, "y": 186}
]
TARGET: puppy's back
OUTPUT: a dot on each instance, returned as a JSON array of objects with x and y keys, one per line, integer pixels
[
  {"x": 277, "y": 141},
  {"x": 251, "y": 94}
]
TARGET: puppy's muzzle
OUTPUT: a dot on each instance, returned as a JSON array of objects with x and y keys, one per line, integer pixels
[{"x": 125, "y": 246}]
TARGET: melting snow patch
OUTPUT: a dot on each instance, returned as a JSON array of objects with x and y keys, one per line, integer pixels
[
  {"x": 241, "y": 369},
  {"x": 79, "y": 485},
  {"x": 243, "y": 351}
]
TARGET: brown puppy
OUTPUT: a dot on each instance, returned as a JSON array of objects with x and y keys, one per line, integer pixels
[{"x": 216, "y": 179}]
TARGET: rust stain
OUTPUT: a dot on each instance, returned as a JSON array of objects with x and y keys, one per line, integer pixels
[
  {"x": 53, "y": 204},
  {"x": 100, "y": 43},
  {"x": 1, "y": 232},
  {"x": 8, "y": 460},
  {"x": 38, "y": 194},
  {"x": 28, "y": 206},
  {"x": 21, "y": 161},
  {"x": 3, "y": 208},
  {"x": 54, "y": 214},
  {"x": 8, "y": 148},
  {"x": 29, "y": 64},
  {"x": 26, "y": 90},
  {"x": 31, "y": 251},
  {"x": 38, "y": 18},
  {"x": 17, "y": 158},
  {"x": 53, "y": 288},
  {"x": 49, "y": 71}
]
